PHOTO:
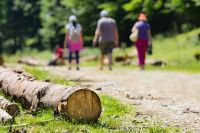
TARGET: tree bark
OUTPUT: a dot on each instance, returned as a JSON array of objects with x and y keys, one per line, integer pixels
[
  {"x": 75, "y": 102},
  {"x": 11, "y": 108},
  {"x": 4, "y": 117}
]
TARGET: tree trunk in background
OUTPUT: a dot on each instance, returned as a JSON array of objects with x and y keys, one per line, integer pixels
[
  {"x": 11, "y": 108},
  {"x": 77, "y": 103},
  {"x": 1, "y": 61},
  {"x": 4, "y": 117}
]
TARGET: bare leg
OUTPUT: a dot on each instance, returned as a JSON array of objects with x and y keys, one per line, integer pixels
[
  {"x": 102, "y": 62},
  {"x": 110, "y": 61},
  {"x": 142, "y": 67},
  {"x": 70, "y": 60}
]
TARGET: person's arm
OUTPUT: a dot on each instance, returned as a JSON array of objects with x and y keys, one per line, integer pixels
[
  {"x": 66, "y": 39},
  {"x": 97, "y": 33},
  {"x": 81, "y": 38},
  {"x": 116, "y": 37},
  {"x": 134, "y": 28}
]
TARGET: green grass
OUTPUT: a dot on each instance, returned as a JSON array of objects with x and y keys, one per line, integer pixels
[
  {"x": 178, "y": 51},
  {"x": 41, "y": 55},
  {"x": 115, "y": 117},
  {"x": 40, "y": 74}
]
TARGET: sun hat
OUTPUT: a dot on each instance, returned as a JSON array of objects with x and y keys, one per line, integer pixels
[
  {"x": 104, "y": 13},
  {"x": 142, "y": 17},
  {"x": 72, "y": 18}
]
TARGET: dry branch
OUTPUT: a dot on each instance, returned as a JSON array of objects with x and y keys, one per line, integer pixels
[
  {"x": 156, "y": 62},
  {"x": 76, "y": 103},
  {"x": 4, "y": 116},
  {"x": 11, "y": 108},
  {"x": 124, "y": 58}
]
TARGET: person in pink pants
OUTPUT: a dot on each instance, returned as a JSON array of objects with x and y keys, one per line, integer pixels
[{"x": 144, "y": 38}]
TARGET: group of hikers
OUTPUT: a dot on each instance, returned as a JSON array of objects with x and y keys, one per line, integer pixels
[{"x": 106, "y": 34}]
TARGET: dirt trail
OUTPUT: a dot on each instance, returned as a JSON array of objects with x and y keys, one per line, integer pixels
[{"x": 171, "y": 97}]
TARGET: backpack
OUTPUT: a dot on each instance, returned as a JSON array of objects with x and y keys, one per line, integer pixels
[{"x": 74, "y": 34}]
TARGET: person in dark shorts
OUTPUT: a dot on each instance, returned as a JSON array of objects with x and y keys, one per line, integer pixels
[{"x": 107, "y": 35}]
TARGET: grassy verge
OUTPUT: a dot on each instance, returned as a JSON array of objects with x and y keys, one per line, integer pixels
[
  {"x": 178, "y": 51},
  {"x": 115, "y": 117}
]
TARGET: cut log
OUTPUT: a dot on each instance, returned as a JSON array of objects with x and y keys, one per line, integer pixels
[
  {"x": 77, "y": 103},
  {"x": 11, "y": 108},
  {"x": 4, "y": 116},
  {"x": 29, "y": 61},
  {"x": 124, "y": 58},
  {"x": 156, "y": 62},
  {"x": 90, "y": 58}
]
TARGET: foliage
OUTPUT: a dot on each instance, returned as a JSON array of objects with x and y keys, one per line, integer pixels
[{"x": 40, "y": 24}]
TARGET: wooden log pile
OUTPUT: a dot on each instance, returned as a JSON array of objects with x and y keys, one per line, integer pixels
[
  {"x": 7, "y": 110},
  {"x": 74, "y": 102}
]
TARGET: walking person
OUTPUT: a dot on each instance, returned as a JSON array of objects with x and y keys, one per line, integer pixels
[
  {"x": 73, "y": 40},
  {"x": 107, "y": 35},
  {"x": 144, "y": 38}
]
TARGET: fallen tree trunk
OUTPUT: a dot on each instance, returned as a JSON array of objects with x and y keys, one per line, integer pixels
[
  {"x": 29, "y": 61},
  {"x": 76, "y": 103},
  {"x": 11, "y": 108},
  {"x": 4, "y": 117}
]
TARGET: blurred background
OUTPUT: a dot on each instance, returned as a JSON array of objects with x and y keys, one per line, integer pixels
[{"x": 38, "y": 25}]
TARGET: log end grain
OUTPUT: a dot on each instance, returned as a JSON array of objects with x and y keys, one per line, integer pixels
[
  {"x": 12, "y": 109},
  {"x": 82, "y": 105}
]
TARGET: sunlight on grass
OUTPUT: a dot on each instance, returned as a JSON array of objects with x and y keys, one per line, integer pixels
[
  {"x": 115, "y": 117},
  {"x": 40, "y": 55},
  {"x": 44, "y": 75},
  {"x": 178, "y": 51}
]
